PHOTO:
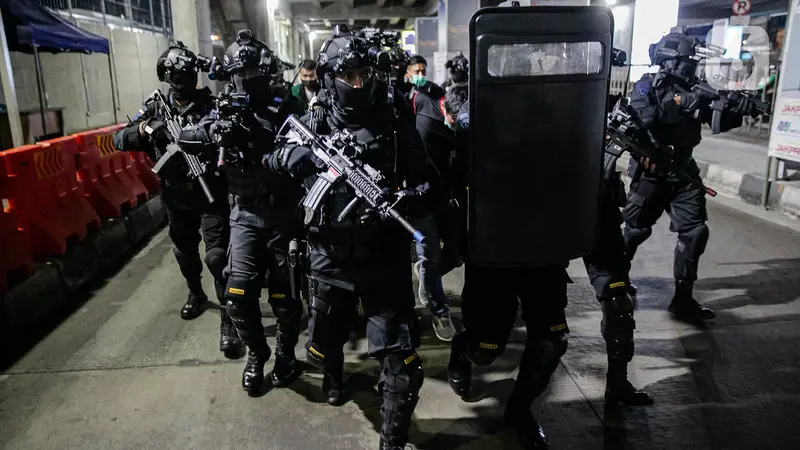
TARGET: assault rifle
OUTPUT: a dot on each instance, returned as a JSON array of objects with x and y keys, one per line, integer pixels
[
  {"x": 197, "y": 169},
  {"x": 338, "y": 152},
  {"x": 722, "y": 101},
  {"x": 625, "y": 133},
  {"x": 230, "y": 108}
]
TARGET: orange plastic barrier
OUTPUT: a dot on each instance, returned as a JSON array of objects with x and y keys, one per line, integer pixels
[
  {"x": 14, "y": 256},
  {"x": 108, "y": 175},
  {"x": 44, "y": 191}
]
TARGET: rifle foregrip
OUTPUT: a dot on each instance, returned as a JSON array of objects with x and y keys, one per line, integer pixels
[
  {"x": 716, "y": 121},
  {"x": 418, "y": 236}
]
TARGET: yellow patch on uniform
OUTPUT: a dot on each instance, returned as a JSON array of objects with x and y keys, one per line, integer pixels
[
  {"x": 277, "y": 295},
  {"x": 488, "y": 346},
  {"x": 410, "y": 358},
  {"x": 617, "y": 284},
  {"x": 315, "y": 352},
  {"x": 236, "y": 291},
  {"x": 563, "y": 326}
]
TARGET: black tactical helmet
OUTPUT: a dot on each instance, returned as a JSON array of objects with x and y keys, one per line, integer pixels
[
  {"x": 342, "y": 56},
  {"x": 248, "y": 57},
  {"x": 675, "y": 53},
  {"x": 252, "y": 65},
  {"x": 458, "y": 68},
  {"x": 178, "y": 67}
]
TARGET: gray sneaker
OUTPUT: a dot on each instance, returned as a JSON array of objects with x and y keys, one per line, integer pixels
[
  {"x": 421, "y": 292},
  {"x": 443, "y": 327}
]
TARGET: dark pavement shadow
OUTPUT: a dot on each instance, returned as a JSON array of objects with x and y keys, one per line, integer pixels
[{"x": 776, "y": 283}]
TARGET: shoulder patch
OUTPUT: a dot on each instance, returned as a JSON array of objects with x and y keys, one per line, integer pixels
[{"x": 643, "y": 86}]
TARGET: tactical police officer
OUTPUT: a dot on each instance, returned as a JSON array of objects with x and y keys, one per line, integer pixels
[
  {"x": 361, "y": 255},
  {"x": 673, "y": 114},
  {"x": 264, "y": 215},
  {"x": 457, "y": 71},
  {"x": 489, "y": 308},
  {"x": 187, "y": 207}
]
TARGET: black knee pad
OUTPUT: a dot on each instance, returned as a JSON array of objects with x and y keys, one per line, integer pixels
[
  {"x": 617, "y": 327},
  {"x": 402, "y": 372},
  {"x": 216, "y": 259},
  {"x": 483, "y": 353},
  {"x": 240, "y": 296},
  {"x": 318, "y": 359},
  {"x": 693, "y": 241},
  {"x": 550, "y": 350}
]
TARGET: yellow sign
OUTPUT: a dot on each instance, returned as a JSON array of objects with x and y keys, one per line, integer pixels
[
  {"x": 48, "y": 162},
  {"x": 105, "y": 145}
]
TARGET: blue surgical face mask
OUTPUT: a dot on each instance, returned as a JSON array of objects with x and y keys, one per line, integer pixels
[{"x": 418, "y": 80}]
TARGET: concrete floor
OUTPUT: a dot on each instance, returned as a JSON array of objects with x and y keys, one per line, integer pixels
[{"x": 121, "y": 370}]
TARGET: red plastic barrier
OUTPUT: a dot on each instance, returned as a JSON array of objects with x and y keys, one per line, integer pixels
[
  {"x": 144, "y": 168},
  {"x": 14, "y": 256},
  {"x": 44, "y": 191},
  {"x": 108, "y": 175}
]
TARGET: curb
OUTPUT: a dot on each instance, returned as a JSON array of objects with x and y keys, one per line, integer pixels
[
  {"x": 27, "y": 302},
  {"x": 733, "y": 183}
]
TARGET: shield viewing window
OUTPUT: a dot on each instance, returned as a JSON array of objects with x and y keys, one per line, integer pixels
[{"x": 540, "y": 59}]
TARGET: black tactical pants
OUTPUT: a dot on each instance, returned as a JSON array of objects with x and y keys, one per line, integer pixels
[
  {"x": 492, "y": 297},
  {"x": 258, "y": 248},
  {"x": 490, "y": 301},
  {"x": 607, "y": 264},
  {"x": 684, "y": 202},
  {"x": 377, "y": 273},
  {"x": 190, "y": 217}
]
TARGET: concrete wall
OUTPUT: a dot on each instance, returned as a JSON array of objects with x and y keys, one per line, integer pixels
[{"x": 134, "y": 56}]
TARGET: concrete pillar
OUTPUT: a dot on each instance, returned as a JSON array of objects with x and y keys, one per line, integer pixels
[
  {"x": 185, "y": 22},
  {"x": 10, "y": 91},
  {"x": 205, "y": 47},
  {"x": 427, "y": 36}
]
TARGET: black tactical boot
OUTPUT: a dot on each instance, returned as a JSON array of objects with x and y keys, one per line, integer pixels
[
  {"x": 286, "y": 369},
  {"x": 620, "y": 390},
  {"x": 685, "y": 307},
  {"x": 194, "y": 306},
  {"x": 531, "y": 435},
  {"x": 285, "y": 372},
  {"x": 333, "y": 387},
  {"x": 396, "y": 411},
  {"x": 459, "y": 369},
  {"x": 229, "y": 342},
  {"x": 253, "y": 375}
]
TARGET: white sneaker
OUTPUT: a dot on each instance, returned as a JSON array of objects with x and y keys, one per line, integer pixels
[
  {"x": 443, "y": 327},
  {"x": 421, "y": 292}
]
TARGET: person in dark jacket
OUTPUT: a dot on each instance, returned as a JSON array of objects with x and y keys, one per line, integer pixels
[{"x": 309, "y": 85}]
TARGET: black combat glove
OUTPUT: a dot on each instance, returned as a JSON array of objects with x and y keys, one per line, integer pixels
[
  {"x": 297, "y": 161},
  {"x": 157, "y": 132},
  {"x": 690, "y": 101}
]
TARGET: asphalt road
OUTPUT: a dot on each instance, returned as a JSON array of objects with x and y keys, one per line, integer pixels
[{"x": 121, "y": 370}]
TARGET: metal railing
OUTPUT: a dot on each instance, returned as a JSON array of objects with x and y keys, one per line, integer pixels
[{"x": 150, "y": 14}]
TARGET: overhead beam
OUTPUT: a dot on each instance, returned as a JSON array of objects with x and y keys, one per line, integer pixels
[{"x": 340, "y": 12}]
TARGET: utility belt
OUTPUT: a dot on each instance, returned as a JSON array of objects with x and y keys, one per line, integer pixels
[
  {"x": 257, "y": 200},
  {"x": 343, "y": 249}
]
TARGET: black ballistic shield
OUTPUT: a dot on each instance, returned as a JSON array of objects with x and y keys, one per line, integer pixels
[{"x": 538, "y": 92}]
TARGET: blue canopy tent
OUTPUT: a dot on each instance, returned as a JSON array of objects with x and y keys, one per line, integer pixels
[{"x": 30, "y": 28}]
